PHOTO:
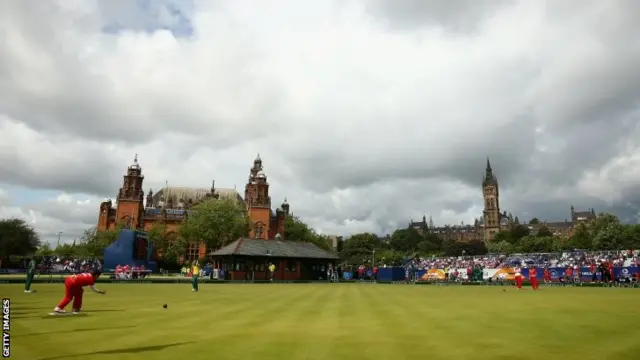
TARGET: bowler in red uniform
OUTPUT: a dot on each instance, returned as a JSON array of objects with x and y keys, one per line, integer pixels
[
  {"x": 533, "y": 273},
  {"x": 547, "y": 275},
  {"x": 73, "y": 290},
  {"x": 518, "y": 278}
]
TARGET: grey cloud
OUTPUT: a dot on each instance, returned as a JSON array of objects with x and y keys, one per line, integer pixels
[
  {"x": 456, "y": 16},
  {"x": 101, "y": 106},
  {"x": 366, "y": 152}
]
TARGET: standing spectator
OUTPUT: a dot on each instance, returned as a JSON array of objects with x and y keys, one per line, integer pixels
[
  {"x": 577, "y": 274},
  {"x": 593, "y": 271},
  {"x": 272, "y": 270}
]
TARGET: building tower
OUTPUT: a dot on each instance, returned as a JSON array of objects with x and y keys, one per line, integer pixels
[
  {"x": 130, "y": 203},
  {"x": 256, "y": 196},
  {"x": 491, "y": 197}
]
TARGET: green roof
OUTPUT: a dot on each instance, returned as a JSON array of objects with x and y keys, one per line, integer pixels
[{"x": 275, "y": 248}]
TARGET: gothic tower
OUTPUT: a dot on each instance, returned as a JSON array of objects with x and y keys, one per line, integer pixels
[
  {"x": 130, "y": 205},
  {"x": 491, "y": 203},
  {"x": 256, "y": 196}
]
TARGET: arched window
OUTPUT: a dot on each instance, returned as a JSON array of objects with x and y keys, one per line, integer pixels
[
  {"x": 259, "y": 230},
  {"x": 193, "y": 251},
  {"x": 126, "y": 222}
]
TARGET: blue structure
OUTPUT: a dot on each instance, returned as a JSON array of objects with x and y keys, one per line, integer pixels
[
  {"x": 395, "y": 273},
  {"x": 130, "y": 248}
]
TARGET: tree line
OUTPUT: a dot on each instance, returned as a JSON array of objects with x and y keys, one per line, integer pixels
[
  {"x": 216, "y": 222},
  {"x": 606, "y": 232},
  {"x": 220, "y": 222}
]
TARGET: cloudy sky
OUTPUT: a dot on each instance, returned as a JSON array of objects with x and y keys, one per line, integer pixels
[{"x": 366, "y": 113}]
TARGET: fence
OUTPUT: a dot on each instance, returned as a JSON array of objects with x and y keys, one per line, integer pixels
[{"x": 390, "y": 274}]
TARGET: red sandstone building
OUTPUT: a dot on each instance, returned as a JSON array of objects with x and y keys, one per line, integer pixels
[{"x": 171, "y": 206}]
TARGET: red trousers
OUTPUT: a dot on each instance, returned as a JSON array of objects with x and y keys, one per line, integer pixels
[
  {"x": 71, "y": 292},
  {"x": 519, "y": 282},
  {"x": 534, "y": 283}
]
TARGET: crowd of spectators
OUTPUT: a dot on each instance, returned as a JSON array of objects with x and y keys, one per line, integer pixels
[
  {"x": 65, "y": 265},
  {"x": 624, "y": 258},
  {"x": 126, "y": 272}
]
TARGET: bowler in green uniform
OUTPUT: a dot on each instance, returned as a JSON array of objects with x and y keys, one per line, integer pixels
[{"x": 31, "y": 272}]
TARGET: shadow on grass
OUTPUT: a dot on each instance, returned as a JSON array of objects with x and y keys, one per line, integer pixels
[
  {"x": 18, "y": 308},
  {"x": 23, "y": 314},
  {"x": 132, "y": 350},
  {"x": 76, "y": 330}
]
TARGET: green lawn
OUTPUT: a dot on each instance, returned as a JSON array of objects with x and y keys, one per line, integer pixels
[{"x": 328, "y": 321}]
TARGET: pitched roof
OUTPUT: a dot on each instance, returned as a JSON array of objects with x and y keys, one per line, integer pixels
[
  {"x": 185, "y": 194},
  {"x": 290, "y": 249}
]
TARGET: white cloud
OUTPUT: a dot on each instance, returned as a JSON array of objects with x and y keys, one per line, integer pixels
[{"x": 365, "y": 115}]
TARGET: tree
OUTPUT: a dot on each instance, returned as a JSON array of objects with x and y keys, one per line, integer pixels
[
  {"x": 609, "y": 237},
  {"x": 359, "y": 247},
  {"x": 66, "y": 250},
  {"x": 502, "y": 247},
  {"x": 536, "y": 244},
  {"x": 17, "y": 238},
  {"x": 518, "y": 232},
  {"x": 607, "y": 233},
  {"x": 451, "y": 247},
  {"x": 44, "y": 250},
  {"x": 297, "y": 230},
  {"x": 534, "y": 221},
  {"x": 93, "y": 241},
  {"x": 215, "y": 222},
  {"x": 174, "y": 249},
  {"x": 474, "y": 247},
  {"x": 389, "y": 257},
  {"x": 631, "y": 236},
  {"x": 158, "y": 236},
  {"x": 581, "y": 238},
  {"x": 405, "y": 240},
  {"x": 428, "y": 247},
  {"x": 503, "y": 236},
  {"x": 544, "y": 231},
  {"x": 511, "y": 235}
]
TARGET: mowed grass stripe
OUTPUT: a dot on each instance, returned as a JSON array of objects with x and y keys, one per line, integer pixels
[
  {"x": 329, "y": 321},
  {"x": 271, "y": 320}
]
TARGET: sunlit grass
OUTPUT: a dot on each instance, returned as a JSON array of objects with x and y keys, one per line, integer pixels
[{"x": 328, "y": 321}]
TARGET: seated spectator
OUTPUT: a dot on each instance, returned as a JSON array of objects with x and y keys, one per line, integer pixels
[
  {"x": 119, "y": 272},
  {"x": 127, "y": 272}
]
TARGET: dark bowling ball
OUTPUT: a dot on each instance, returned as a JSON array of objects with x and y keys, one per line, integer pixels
[{"x": 164, "y": 306}]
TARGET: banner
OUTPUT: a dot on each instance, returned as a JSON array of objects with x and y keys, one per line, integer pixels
[
  {"x": 585, "y": 273},
  {"x": 431, "y": 274},
  {"x": 499, "y": 274}
]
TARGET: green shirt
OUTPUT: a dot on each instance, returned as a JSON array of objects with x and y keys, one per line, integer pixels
[{"x": 32, "y": 266}]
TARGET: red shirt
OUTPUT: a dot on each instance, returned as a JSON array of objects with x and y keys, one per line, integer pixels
[
  {"x": 80, "y": 280},
  {"x": 568, "y": 272},
  {"x": 533, "y": 273},
  {"x": 592, "y": 268},
  {"x": 118, "y": 269},
  {"x": 546, "y": 273},
  {"x": 127, "y": 268}
]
